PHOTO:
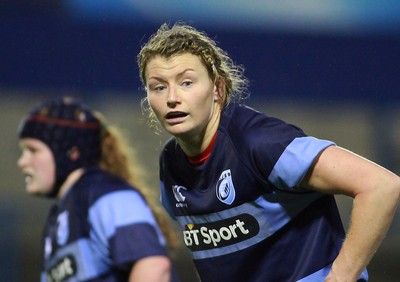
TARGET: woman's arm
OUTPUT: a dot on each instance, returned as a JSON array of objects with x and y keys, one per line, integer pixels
[
  {"x": 151, "y": 269},
  {"x": 376, "y": 193}
]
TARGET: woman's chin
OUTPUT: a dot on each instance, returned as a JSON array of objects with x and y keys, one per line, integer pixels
[{"x": 32, "y": 190}]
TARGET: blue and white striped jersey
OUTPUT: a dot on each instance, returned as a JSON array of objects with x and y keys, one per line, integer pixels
[
  {"x": 98, "y": 230},
  {"x": 242, "y": 213}
]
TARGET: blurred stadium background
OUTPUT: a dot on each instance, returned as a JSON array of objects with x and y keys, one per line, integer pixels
[{"x": 330, "y": 67}]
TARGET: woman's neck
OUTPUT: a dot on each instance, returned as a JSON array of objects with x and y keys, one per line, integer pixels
[
  {"x": 204, "y": 155},
  {"x": 72, "y": 178},
  {"x": 196, "y": 143}
]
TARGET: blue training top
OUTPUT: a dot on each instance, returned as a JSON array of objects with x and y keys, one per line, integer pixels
[
  {"x": 98, "y": 230},
  {"x": 242, "y": 213}
]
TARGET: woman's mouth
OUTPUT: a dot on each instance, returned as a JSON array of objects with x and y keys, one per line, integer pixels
[
  {"x": 28, "y": 178},
  {"x": 175, "y": 117}
]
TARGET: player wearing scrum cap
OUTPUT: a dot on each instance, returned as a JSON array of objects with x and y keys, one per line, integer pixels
[{"x": 103, "y": 226}]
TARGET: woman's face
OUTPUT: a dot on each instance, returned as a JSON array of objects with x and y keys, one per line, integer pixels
[
  {"x": 183, "y": 97},
  {"x": 38, "y": 166}
]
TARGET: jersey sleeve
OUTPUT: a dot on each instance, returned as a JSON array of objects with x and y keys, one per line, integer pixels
[
  {"x": 124, "y": 226},
  {"x": 282, "y": 152},
  {"x": 295, "y": 161}
]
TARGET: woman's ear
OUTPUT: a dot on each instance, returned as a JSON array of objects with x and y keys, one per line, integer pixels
[{"x": 219, "y": 90}]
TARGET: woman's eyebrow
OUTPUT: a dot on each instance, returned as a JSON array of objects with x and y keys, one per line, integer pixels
[{"x": 179, "y": 75}]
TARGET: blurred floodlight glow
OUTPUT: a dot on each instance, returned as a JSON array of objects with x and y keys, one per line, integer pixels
[{"x": 301, "y": 15}]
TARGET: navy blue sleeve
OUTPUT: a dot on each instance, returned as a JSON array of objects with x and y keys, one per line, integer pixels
[{"x": 282, "y": 153}]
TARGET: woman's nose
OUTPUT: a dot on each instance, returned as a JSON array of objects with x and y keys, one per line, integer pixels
[
  {"x": 21, "y": 162},
  {"x": 173, "y": 97}
]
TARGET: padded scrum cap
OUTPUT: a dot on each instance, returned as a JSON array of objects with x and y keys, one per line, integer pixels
[{"x": 65, "y": 126}]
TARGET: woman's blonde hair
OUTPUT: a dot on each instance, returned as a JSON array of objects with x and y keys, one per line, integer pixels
[
  {"x": 118, "y": 159},
  {"x": 180, "y": 39}
]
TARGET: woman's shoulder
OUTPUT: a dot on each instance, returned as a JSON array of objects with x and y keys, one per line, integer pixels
[
  {"x": 96, "y": 183},
  {"x": 247, "y": 122}
]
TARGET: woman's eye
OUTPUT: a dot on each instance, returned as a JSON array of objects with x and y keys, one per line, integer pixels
[
  {"x": 34, "y": 149},
  {"x": 159, "y": 88},
  {"x": 187, "y": 83},
  {"x": 30, "y": 150}
]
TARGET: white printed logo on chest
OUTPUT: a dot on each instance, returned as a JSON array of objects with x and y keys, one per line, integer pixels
[
  {"x": 62, "y": 228},
  {"x": 179, "y": 197},
  {"x": 225, "y": 190}
]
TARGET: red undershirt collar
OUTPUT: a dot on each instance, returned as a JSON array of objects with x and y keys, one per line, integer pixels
[{"x": 203, "y": 156}]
